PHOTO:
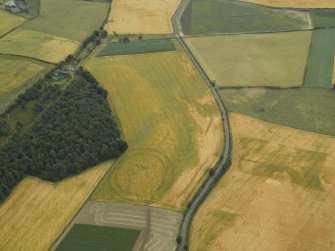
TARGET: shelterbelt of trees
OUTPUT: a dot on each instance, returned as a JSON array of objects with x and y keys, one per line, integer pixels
[{"x": 74, "y": 130}]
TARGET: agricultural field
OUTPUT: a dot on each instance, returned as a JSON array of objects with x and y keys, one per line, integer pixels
[
  {"x": 275, "y": 59},
  {"x": 226, "y": 16},
  {"x": 141, "y": 17},
  {"x": 277, "y": 195},
  {"x": 37, "y": 212},
  {"x": 310, "y": 109},
  {"x": 295, "y": 3},
  {"x": 321, "y": 59},
  {"x": 323, "y": 18},
  {"x": 37, "y": 45},
  {"x": 16, "y": 74},
  {"x": 9, "y": 21},
  {"x": 71, "y": 19},
  {"x": 148, "y": 46},
  {"x": 163, "y": 166},
  {"x": 159, "y": 227},
  {"x": 89, "y": 237}
]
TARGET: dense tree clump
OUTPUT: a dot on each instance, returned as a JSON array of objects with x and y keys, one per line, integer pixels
[{"x": 75, "y": 132}]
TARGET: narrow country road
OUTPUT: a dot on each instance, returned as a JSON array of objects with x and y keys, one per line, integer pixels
[{"x": 226, "y": 151}]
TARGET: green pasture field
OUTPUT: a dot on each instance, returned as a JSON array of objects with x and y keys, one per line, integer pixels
[
  {"x": 149, "y": 46},
  {"x": 9, "y": 21},
  {"x": 310, "y": 109},
  {"x": 226, "y": 16},
  {"x": 72, "y": 19},
  {"x": 91, "y": 237},
  {"x": 323, "y": 18},
  {"x": 272, "y": 59},
  {"x": 321, "y": 59}
]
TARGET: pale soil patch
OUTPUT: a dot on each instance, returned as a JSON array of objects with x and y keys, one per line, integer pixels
[
  {"x": 296, "y": 3},
  {"x": 173, "y": 139},
  {"x": 37, "y": 45},
  {"x": 37, "y": 212},
  {"x": 275, "y": 59},
  {"x": 275, "y": 208},
  {"x": 159, "y": 226},
  {"x": 145, "y": 16}
]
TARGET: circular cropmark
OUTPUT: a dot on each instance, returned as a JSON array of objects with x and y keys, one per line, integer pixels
[{"x": 140, "y": 174}]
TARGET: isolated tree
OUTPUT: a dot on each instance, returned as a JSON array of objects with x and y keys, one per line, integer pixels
[
  {"x": 104, "y": 34},
  {"x": 125, "y": 39}
]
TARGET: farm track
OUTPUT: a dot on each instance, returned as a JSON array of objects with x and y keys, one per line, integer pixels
[{"x": 202, "y": 193}]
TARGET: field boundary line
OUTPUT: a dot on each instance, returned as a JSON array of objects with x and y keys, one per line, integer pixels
[
  {"x": 223, "y": 162},
  {"x": 308, "y": 59},
  {"x": 281, "y": 8}
]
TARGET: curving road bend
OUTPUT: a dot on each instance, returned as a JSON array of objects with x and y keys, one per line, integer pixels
[{"x": 226, "y": 152}]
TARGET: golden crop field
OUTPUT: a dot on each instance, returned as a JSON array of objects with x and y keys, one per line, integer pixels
[
  {"x": 37, "y": 212},
  {"x": 145, "y": 16},
  {"x": 37, "y": 45},
  {"x": 14, "y": 76},
  {"x": 9, "y": 21},
  {"x": 272, "y": 59},
  {"x": 279, "y": 193},
  {"x": 296, "y": 3},
  {"x": 170, "y": 121}
]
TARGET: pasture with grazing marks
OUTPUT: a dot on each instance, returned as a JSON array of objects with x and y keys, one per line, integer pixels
[
  {"x": 226, "y": 16},
  {"x": 281, "y": 186},
  {"x": 310, "y": 109},
  {"x": 37, "y": 45},
  {"x": 148, "y": 46},
  {"x": 275, "y": 59},
  {"x": 170, "y": 121},
  {"x": 319, "y": 70},
  {"x": 9, "y": 21},
  {"x": 141, "y": 17},
  {"x": 37, "y": 212},
  {"x": 70, "y": 19},
  {"x": 89, "y": 237},
  {"x": 295, "y": 3},
  {"x": 15, "y": 75},
  {"x": 159, "y": 227}
]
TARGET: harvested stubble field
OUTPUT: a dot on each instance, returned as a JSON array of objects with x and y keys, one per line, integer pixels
[
  {"x": 319, "y": 70},
  {"x": 159, "y": 227},
  {"x": 15, "y": 75},
  {"x": 148, "y": 46},
  {"x": 72, "y": 19},
  {"x": 295, "y": 3},
  {"x": 145, "y": 16},
  {"x": 310, "y": 109},
  {"x": 37, "y": 45},
  {"x": 277, "y": 195},
  {"x": 226, "y": 16},
  {"x": 9, "y": 21},
  {"x": 170, "y": 121},
  {"x": 275, "y": 59},
  {"x": 37, "y": 212},
  {"x": 90, "y": 237}
]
